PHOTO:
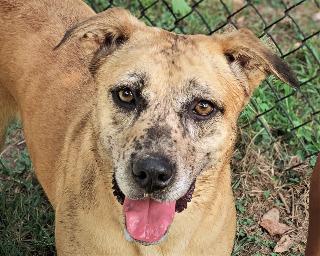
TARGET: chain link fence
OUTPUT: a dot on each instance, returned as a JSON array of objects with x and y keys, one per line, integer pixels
[{"x": 281, "y": 122}]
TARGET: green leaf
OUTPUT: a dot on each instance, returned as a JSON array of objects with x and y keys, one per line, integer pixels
[
  {"x": 180, "y": 6},
  {"x": 266, "y": 194},
  {"x": 313, "y": 161}
]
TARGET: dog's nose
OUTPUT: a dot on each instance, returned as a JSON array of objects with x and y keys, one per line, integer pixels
[{"x": 152, "y": 173}]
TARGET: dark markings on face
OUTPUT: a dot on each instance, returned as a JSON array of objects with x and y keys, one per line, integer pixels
[
  {"x": 182, "y": 142},
  {"x": 115, "y": 121},
  {"x": 168, "y": 51},
  {"x": 133, "y": 155},
  {"x": 174, "y": 41},
  {"x": 137, "y": 146},
  {"x": 147, "y": 143},
  {"x": 136, "y": 82},
  {"x": 80, "y": 126},
  {"x": 157, "y": 132},
  {"x": 200, "y": 90},
  {"x": 183, "y": 126},
  {"x": 174, "y": 49}
]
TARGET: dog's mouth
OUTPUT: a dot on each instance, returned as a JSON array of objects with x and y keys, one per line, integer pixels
[{"x": 147, "y": 221}]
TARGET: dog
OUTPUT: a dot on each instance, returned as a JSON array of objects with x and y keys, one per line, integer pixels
[
  {"x": 313, "y": 243},
  {"x": 130, "y": 128}
]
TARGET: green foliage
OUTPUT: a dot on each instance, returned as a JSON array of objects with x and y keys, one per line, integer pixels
[
  {"x": 266, "y": 194},
  {"x": 26, "y": 222},
  {"x": 180, "y": 6},
  {"x": 240, "y": 206}
]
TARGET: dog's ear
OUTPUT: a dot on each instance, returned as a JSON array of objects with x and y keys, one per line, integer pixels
[
  {"x": 251, "y": 60},
  {"x": 104, "y": 31}
]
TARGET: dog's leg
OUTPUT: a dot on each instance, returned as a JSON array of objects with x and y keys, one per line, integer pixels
[{"x": 8, "y": 111}]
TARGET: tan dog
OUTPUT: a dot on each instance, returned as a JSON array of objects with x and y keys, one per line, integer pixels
[{"x": 114, "y": 110}]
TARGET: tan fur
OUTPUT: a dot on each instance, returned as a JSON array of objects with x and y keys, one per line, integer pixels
[
  {"x": 59, "y": 61},
  {"x": 8, "y": 112}
]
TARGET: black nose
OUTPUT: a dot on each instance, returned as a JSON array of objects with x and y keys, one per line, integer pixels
[{"x": 152, "y": 173}]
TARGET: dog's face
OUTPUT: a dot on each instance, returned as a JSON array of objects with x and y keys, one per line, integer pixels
[
  {"x": 167, "y": 110},
  {"x": 166, "y": 113},
  {"x": 168, "y": 106}
]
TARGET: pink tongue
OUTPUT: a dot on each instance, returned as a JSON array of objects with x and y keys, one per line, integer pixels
[{"x": 148, "y": 220}]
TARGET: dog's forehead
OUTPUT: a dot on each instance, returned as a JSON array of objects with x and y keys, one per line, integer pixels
[
  {"x": 180, "y": 51},
  {"x": 184, "y": 62},
  {"x": 175, "y": 57},
  {"x": 170, "y": 63}
]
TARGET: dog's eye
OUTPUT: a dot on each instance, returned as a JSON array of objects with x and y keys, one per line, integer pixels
[
  {"x": 203, "y": 109},
  {"x": 126, "y": 95}
]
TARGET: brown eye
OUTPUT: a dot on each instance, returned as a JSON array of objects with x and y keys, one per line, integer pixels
[
  {"x": 126, "y": 95},
  {"x": 202, "y": 109},
  {"x": 126, "y": 98}
]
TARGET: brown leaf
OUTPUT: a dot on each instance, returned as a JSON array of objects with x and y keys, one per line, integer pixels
[
  {"x": 316, "y": 16},
  {"x": 295, "y": 160},
  {"x": 270, "y": 222},
  {"x": 283, "y": 244}
]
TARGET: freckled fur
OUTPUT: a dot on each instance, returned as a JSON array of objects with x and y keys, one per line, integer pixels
[{"x": 78, "y": 138}]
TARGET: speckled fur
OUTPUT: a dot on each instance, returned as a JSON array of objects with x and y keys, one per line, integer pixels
[{"x": 58, "y": 65}]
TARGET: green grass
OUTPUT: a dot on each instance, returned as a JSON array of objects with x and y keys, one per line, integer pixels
[{"x": 26, "y": 218}]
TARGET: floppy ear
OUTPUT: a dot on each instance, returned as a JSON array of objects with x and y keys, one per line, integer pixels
[
  {"x": 104, "y": 32},
  {"x": 252, "y": 61}
]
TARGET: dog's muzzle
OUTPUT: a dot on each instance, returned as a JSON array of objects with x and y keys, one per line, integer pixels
[{"x": 147, "y": 220}]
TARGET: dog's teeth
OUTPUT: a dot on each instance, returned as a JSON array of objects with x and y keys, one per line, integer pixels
[{"x": 127, "y": 236}]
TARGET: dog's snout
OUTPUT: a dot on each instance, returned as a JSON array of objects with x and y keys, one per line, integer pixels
[{"x": 153, "y": 173}]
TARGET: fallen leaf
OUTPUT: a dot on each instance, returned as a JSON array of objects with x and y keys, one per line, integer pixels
[
  {"x": 283, "y": 244},
  {"x": 295, "y": 160},
  {"x": 316, "y": 16},
  {"x": 270, "y": 222}
]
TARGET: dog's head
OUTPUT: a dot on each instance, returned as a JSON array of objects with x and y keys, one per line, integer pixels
[{"x": 167, "y": 108}]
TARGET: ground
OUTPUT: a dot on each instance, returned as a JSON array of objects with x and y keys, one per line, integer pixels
[{"x": 277, "y": 132}]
